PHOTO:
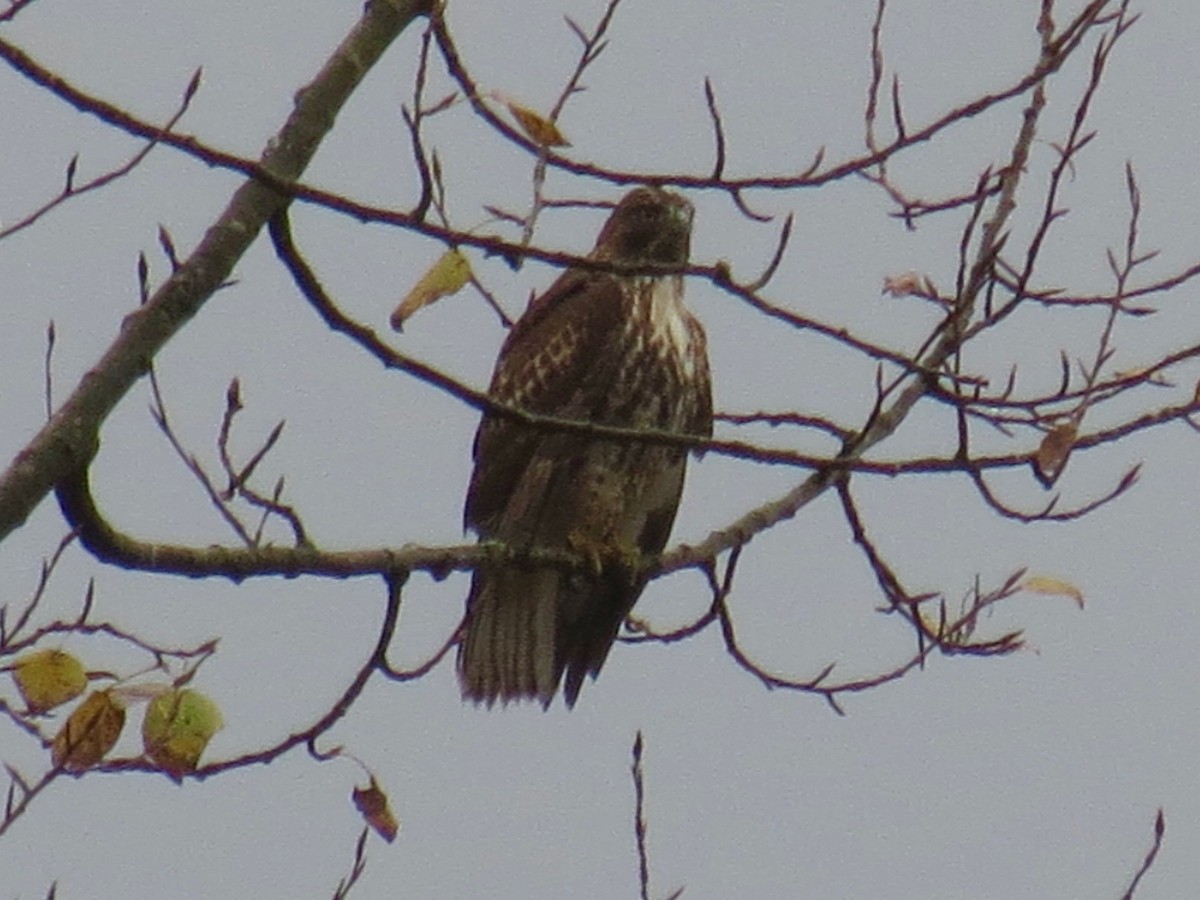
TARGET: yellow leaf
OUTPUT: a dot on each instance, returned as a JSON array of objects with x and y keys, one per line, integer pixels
[
  {"x": 49, "y": 678},
  {"x": 539, "y": 129},
  {"x": 372, "y": 802},
  {"x": 88, "y": 733},
  {"x": 1052, "y": 455},
  {"x": 178, "y": 726},
  {"x": 1042, "y": 584},
  {"x": 445, "y": 277}
]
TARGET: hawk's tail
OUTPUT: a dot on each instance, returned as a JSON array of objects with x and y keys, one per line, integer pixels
[
  {"x": 527, "y": 626},
  {"x": 508, "y": 650}
]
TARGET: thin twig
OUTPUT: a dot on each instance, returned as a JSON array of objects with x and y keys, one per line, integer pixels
[
  {"x": 70, "y": 190},
  {"x": 639, "y": 817},
  {"x": 1160, "y": 829}
]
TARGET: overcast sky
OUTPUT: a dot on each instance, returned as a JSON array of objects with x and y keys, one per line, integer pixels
[{"x": 1032, "y": 776}]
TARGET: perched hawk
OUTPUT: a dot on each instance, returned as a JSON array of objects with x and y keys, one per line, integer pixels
[{"x": 612, "y": 349}]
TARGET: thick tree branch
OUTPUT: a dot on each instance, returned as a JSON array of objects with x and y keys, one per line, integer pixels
[{"x": 70, "y": 439}]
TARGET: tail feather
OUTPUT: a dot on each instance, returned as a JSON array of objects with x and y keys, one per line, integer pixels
[
  {"x": 508, "y": 651},
  {"x": 526, "y": 627},
  {"x": 590, "y": 615}
]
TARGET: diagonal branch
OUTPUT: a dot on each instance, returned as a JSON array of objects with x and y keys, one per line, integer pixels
[{"x": 70, "y": 439}]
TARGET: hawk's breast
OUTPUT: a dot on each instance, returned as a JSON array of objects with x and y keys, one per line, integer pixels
[{"x": 668, "y": 326}]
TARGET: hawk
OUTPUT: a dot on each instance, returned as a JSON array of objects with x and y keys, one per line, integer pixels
[{"x": 610, "y": 348}]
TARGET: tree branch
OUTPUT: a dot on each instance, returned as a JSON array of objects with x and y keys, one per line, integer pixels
[{"x": 70, "y": 439}]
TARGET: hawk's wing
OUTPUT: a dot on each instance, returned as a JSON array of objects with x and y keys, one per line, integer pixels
[{"x": 550, "y": 364}]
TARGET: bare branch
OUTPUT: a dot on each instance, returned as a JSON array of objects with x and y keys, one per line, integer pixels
[
  {"x": 1160, "y": 829},
  {"x": 69, "y": 440},
  {"x": 639, "y": 818},
  {"x": 70, "y": 190},
  {"x": 710, "y": 99}
]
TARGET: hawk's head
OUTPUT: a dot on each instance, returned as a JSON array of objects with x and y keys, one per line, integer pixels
[{"x": 649, "y": 225}]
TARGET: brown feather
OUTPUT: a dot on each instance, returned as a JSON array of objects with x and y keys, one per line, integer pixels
[{"x": 599, "y": 347}]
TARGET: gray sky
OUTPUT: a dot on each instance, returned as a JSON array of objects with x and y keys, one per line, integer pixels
[{"x": 1036, "y": 775}]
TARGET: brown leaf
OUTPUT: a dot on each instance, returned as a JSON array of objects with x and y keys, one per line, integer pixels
[
  {"x": 88, "y": 733},
  {"x": 49, "y": 678},
  {"x": 1052, "y": 455},
  {"x": 372, "y": 802},
  {"x": 539, "y": 129},
  {"x": 445, "y": 277},
  {"x": 906, "y": 284}
]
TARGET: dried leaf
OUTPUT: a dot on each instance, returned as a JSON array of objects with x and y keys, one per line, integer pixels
[
  {"x": 537, "y": 127},
  {"x": 906, "y": 284},
  {"x": 49, "y": 678},
  {"x": 139, "y": 692},
  {"x": 88, "y": 733},
  {"x": 1052, "y": 455},
  {"x": 1043, "y": 584},
  {"x": 372, "y": 802},
  {"x": 445, "y": 277},
  {"x": 178, "y": 726}
]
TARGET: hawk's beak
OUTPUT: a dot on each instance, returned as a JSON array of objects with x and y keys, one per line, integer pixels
[{"x": 683, "y": 213}]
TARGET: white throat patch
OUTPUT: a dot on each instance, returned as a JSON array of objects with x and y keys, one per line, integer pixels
[{"x": 669, "y": 320}]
